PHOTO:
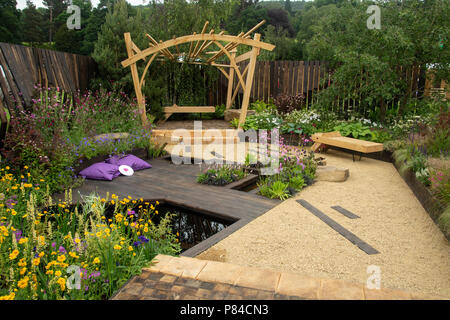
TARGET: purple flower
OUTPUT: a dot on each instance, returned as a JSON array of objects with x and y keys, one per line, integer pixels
[
  {"x": 53, "y": 244},
  {"x": 136, "y": 243},
  {"x": 62, "y": 249},
  {"x": 94, "y": 274},
  {"x": 18, "y": 234},
  {"x": 143, "y": 239}
]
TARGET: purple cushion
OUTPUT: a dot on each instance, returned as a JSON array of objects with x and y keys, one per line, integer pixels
[
  {"x": 129, "y": 160},
  {"x": 101, "y": 171}
]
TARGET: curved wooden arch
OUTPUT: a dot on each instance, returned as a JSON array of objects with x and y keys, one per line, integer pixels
[
  {"x": 197, "y": 37},
  {"x": 196, "y": 52}
]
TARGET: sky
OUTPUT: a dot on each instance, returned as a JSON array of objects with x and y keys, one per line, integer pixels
[{"x": 23, "y": 3}]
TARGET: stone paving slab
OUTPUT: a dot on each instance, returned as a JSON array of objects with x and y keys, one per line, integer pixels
[{"x": 184, "y": 278}]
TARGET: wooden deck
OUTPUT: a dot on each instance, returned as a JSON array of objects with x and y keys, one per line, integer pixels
[{"x": 176, "y": 184}]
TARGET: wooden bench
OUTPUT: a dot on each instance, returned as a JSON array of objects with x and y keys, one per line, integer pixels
[
  {"x": 335, "y": 139},
  {"x": 168, "y": 111}
]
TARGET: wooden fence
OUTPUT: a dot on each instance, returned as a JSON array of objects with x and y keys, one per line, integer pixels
[
  {"x": 277, "y": 77},
  {"x": 22, "y": 68}
]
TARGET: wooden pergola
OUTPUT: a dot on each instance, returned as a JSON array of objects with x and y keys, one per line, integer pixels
[{"x": 192, "y": 49}]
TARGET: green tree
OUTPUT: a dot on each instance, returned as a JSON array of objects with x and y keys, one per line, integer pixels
[
  {"x": 243, "y": 20},
  {"x": 287, "y": 6},
  {"x": 69, "y": 40},
  {"x": 54, "y": 9},
  {"x": 90, "y": 31},
  {"x": 110, "y": 49},
  {"x": 286, "y": 48},
  {"x": 370, "y": 64},
  {"x": 32, "y": 25},
  {"x": 10, "y": 18}
]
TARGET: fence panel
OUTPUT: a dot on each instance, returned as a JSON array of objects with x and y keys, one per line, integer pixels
[{"x": 21, "y": 68}]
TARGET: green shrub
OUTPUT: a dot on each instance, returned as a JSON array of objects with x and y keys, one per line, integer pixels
[
  {"x": 444, "y": 222},
  {"x": 221, "y": 175},
  {"x": 355, "y": 130},
  {"x": 297, "y": 182},
  {"x": 262, "y": 107},
  {"x": 440, "y": 185},
  {"x": 278, "y": 190}
]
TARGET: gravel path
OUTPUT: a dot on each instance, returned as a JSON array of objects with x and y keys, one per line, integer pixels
[{"x": 414, "y": 255}]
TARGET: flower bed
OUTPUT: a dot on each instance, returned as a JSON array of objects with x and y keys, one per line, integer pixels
[
  {"x": 60, "y": 131},
  {"x": 221, "y": 175},
  {"x": 297, "y": 169},
  {"x": 43, "y": 246}
]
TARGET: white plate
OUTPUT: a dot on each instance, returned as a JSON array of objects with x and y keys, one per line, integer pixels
[{"x": 126, "y": 170}]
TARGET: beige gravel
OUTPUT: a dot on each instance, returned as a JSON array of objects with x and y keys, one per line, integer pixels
[{"x": 414, "y": 255}]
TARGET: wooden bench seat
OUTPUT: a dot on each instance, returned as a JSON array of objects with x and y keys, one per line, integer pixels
[
  {"x": 335, "y": 139},
  {"x": 168, "y": 111}
]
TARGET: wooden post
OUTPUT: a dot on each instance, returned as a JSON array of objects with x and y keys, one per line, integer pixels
[
  {"x": 135, "y": 76},
  {"x": 249, "y": 82},
  {"x": 230, "y": 83}
]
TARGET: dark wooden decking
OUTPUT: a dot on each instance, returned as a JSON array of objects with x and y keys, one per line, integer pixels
[{"x": 176, "y": 184}]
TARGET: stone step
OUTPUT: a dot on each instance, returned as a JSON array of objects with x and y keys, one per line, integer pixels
[{"x": 187, "y": 278}]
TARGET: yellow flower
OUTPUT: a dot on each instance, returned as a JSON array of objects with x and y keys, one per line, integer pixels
[
  {"x": 23, "y": 283},
  {"x": 10, "y": 296},
  {"x": 62, "y": 283},
  {"x": 13, "y": 254},
  {"x": 58, "y": 273},
  {"x": 96, "y": 260},
  {"x": 25, "y": 167},
  {"x": 41, "y": 254},
  {"x": 36, "y": 261},
  {"x": 73, "y": 255},
  {"x": 130, "y": 248},
  {"x": 49, "y": 272},
  {"x": 21, "y": 263},
  {"x": 23, "y": 240},
  {"x": 61, "y": 258},
  {"x": 23, "y": 270},
  {"x": 117, "y": 247}
]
